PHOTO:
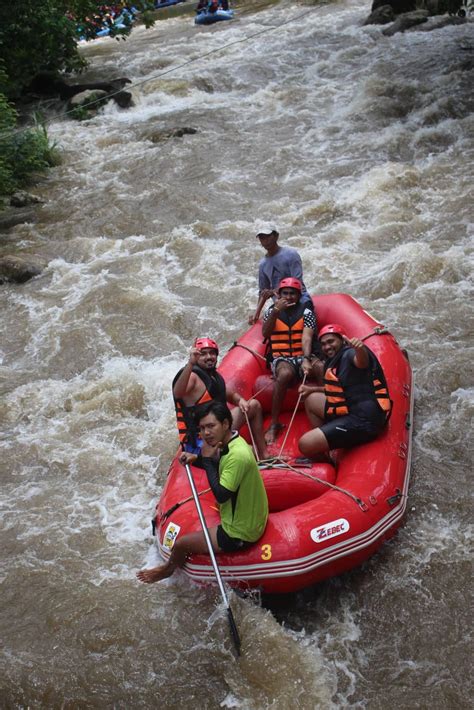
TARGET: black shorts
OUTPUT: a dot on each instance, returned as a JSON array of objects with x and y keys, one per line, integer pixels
[
  {"x": 230, "y": 544},
  {"x": 345, "y": 432}
]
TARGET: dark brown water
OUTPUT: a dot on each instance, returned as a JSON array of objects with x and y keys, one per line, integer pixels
[{"x": 360, "y": 148}]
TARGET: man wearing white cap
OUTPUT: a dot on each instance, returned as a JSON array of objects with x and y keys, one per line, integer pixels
[{"x": 277, "y": 264}]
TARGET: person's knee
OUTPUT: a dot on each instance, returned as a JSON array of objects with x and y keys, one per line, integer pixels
[
  {"x": 317, "y": 370},
  {"x": 315, "y": 404},
  {"x": 254, "y": 408},
  {"x": 284, "y": 376},
  {"x": 314, "y": 442},
  {"x": 310, "y": 403},
  {"x": 237, "y": 418},
  {"x": 304, "y": 444},
  {"x": 181, "y": 544}
]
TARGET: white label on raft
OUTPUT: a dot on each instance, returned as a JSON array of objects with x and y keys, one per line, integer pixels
[
  {"x": 332, "y": 529},
  {"x": 170, "y": 535}
]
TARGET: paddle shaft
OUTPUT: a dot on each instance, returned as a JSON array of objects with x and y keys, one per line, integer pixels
[{"x": 233, "y": 627}]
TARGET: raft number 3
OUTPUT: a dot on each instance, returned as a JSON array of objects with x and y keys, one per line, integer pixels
[{"x": 266, "y": 552}]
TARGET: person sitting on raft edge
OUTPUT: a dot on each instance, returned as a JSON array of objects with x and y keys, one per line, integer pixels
[
  {"x": 277, "y": 264},
  {"x": 289, "y": 326},
  {"x": 237, "y": 484},
  {"x": 199, "y": 382},
  {"x": 353, "y": 405}
]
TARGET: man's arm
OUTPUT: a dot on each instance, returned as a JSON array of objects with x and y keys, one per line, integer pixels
[
  {"x": 307, "y": 344},
  {"x": 306, "y": 390},
  {"x": 263, "y": 298},
  {"x": 295, "y": 266},
  {"x": 238, "y": 400},
  {"x": 264, "y": 282},
  {"x": 186, "y": 382},
  {"x": 265, "y": 292},
  {"x": 270, "y": 317},
  {"x": 361, "y": 357},
  {"x": 211, "y": 467},
  {"x": 210, "y": 463}
]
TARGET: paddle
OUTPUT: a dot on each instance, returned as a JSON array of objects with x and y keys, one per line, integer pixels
[{"x": 233, "y": 627}]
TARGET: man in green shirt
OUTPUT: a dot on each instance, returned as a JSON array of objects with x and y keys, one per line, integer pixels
[{"x": 236, "y": 482}]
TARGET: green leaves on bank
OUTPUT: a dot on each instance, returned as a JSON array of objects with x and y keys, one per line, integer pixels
[
  {"x": 24, "y": 154},
  {"x": 38, "y": 36}
]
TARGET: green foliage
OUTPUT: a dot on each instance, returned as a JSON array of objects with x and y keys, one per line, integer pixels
[
  {"x": 42, "y": 35},
  {"x": 88, "y": 108},
  {"x": 39, "y": 36},
  {"x": 35, "y": 35},
  {"x": 23, "y": 153},
  {"x": 79, "y": 113}
]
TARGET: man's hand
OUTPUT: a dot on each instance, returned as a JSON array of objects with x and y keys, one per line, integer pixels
[
  {"x": 283, "y": 303},
  {"x": 208, "y": 451},
  {"x": 306, "y": 366},
  {"x": 355, "y": 343},
  {"x": 361, "y": 357},
  {"x": 187, "y": 458},
  {"x": 194, "y": 355},
  {"x": 305, "y": 390},
  {"x": 243, "y": 405}
]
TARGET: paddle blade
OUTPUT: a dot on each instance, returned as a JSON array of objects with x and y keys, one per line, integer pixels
[{"x": 233, "y": 630}]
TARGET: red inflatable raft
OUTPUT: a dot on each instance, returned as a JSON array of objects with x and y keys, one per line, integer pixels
[{"x": 321, "y": 522}]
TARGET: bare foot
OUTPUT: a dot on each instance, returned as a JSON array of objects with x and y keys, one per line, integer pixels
[
  {"x": 156, "y": 574},
  {"x": 272, "y": 433}
]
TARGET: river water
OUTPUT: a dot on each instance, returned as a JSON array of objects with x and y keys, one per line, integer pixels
[{"x": 359, "y": 147}]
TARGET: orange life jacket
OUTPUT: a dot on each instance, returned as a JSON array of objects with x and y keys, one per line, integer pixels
[
  {"x": 215, "y": 389},
  {"x": 342, "y": 395},
  {"x": 287, "y": 337}
]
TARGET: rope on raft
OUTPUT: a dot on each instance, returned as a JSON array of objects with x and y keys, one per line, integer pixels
[
  {"x": 280, "y": 463},
  {"x": 245, "y": 347}
]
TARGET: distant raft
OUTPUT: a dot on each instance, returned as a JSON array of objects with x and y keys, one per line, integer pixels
[
  {"x": 166, "y": 3},
  {"x": 206, "y": 17},
  {"x": 120, "y": 22}
]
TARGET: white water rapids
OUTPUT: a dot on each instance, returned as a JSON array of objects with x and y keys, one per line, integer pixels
[{"x": 359, "y": 147}]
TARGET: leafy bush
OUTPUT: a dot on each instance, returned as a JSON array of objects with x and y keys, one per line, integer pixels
[
  {"x": 23, "y": 153},
  {"x": 42, "y": 35},
  {"x": 38, "y": 36},
  {"x": 35, "y": 35}
]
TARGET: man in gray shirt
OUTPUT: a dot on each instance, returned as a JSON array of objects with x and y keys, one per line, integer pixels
[{"x": 278, "y": 263}]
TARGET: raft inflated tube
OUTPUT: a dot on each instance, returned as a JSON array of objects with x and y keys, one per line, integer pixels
[{"x": 208, "y": 18}]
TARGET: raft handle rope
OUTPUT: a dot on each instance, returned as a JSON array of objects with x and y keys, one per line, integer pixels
[
  {"x": 363, "y": 506},
  {"x": 292, "y": 419},
  {"x": 378, "y": 330},
  {"x": 245, "y": 347},
  {"x": 164, "y": 516},
  {"x": 395, "y": 498}
]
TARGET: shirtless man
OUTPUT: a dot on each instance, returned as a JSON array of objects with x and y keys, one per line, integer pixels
[{"x": 199, "y": 382}]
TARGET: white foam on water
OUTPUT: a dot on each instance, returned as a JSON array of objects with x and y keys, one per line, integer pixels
[{"x": 358, "y": 147}]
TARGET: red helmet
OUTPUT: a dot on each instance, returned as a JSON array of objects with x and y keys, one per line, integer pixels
[
  {"x": 201, "y": 343},
  {"x": 332, "y": 328},
  {"x": 290, "y": 282}
]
